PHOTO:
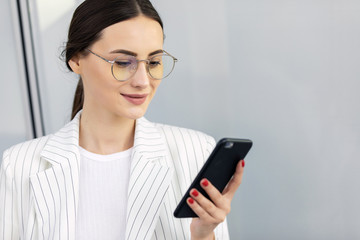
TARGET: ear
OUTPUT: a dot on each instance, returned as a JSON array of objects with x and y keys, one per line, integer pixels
[{"x": 74, "y": 63}]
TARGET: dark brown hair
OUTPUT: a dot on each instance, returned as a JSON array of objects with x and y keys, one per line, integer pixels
[{"x": 88, "y": 21}]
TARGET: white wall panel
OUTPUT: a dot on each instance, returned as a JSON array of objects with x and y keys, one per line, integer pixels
[{"x": 15, "y": 124}]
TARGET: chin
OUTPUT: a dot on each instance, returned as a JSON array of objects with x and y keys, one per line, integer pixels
[{"x": 136, "y": 114}]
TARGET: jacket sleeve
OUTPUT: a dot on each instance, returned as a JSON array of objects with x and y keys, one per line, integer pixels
[
  {"x": 9, "y": 228},
  {"x": 221, "y": 231}
]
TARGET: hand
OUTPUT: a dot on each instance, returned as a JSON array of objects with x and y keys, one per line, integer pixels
[{"x": 212, "y": 213}]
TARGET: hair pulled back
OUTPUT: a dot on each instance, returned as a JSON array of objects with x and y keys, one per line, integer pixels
[{"x": 88, "y": 21}]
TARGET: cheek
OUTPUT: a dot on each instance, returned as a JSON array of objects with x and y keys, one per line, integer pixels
[
  {"x": 99, "y": 83},
  {"x": 155, "y": 84}
]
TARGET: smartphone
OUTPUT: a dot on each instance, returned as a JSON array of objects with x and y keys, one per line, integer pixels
[{"x": 218, "y": 169}]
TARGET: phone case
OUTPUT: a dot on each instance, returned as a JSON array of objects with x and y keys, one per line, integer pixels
[{"x": 218, "y": 169}]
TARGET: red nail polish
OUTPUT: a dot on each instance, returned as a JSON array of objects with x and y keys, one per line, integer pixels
[
  {"x": 191, "y": 201},
  {"x": 195, "y": 193},
  {"x": 205, "y": 183},
  {"x": 243, "y": 163}
]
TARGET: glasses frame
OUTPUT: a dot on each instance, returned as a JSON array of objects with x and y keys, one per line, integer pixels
[{"x": 147, "y": 61}]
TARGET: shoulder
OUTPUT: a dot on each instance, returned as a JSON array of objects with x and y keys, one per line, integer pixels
[
  {"x": 184, "y": 134},
  {"x": 21, "y": 154},
  {"x": 27, "y": 154},
  {"x": 25, "y": 148},
  {"x": 181, "y": 139}
]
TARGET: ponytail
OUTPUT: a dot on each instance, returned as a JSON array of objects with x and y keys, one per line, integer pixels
[{"x": 78, "y": 99}]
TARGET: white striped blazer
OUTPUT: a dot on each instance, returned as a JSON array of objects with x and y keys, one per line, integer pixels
[{"x": 39, "y": 183}]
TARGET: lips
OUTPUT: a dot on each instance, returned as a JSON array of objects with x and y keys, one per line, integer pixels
[{"x": 136, "y": 99}]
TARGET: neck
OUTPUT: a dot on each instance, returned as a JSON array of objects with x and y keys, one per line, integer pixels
[{"x": 105, "y": 133}]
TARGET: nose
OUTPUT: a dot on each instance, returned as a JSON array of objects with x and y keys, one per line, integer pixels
[{"x": 141, "y": 78}]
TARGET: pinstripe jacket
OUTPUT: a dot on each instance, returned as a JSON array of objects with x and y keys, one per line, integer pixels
[{"x": 39, "y": 183}]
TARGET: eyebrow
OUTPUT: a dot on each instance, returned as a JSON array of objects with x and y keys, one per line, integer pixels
[{"x": 127, "y": 52}]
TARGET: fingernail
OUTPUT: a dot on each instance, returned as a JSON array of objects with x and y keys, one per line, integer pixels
[
  {"x": 205, "y": 183},
  {"x": 195, "y": 193},
  {"x": 243, "y": 163},
  {"x": 191, "y": 201}
]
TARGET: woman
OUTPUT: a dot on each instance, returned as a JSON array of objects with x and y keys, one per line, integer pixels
[{"x": 110, "y": 173}]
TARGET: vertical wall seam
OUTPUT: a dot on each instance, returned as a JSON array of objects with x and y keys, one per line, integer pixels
[
  {"x": 28, "y": 92},
  {"x": 32, "y": 83}
]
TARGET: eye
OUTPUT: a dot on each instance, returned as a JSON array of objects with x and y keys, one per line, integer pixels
[
  {"x": 123, "y": 63},
  {"x": 154, "y": 63}
]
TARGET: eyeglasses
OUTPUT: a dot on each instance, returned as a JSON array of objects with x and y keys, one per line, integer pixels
[{"x": 124, "y": 66}]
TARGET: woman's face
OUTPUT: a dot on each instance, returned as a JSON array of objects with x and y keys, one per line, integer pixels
[{"x": 140, "y": 36}]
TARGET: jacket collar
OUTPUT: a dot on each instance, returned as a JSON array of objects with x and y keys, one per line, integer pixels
[
  {"x": 149, "y": 180},
  {"x": 147, "y": 141}
]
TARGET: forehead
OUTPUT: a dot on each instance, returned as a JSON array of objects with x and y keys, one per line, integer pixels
[{"x": 141, "y": 35}]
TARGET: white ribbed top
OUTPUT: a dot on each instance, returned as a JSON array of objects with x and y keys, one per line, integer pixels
[{"x": 103, "y": 189}]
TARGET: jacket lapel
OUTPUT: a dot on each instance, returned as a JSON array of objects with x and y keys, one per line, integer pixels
[
  {"x": 56, "y": 189},
  {"x": 149, "y": 180}
]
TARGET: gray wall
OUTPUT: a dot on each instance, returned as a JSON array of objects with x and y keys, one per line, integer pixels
[
  {"x": 285, "y": 74},
  {"x": 282, "y": 73}
]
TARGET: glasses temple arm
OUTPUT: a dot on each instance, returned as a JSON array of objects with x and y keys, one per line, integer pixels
[
  {"x": 100, "y": 56},
  {"x": 171, "y": 55}
]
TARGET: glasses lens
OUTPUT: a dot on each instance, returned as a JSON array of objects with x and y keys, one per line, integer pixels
[
  {"x": 124, "y": 67},
  {"x": 161, "y": 66}
]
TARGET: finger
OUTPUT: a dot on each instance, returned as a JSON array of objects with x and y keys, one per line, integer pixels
[
  {"x": 202, "y": 214},
  {"x": 235, "y": 181},
  {"x": 213, "y": 192},
  {"x": 205, "y": 203}
]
